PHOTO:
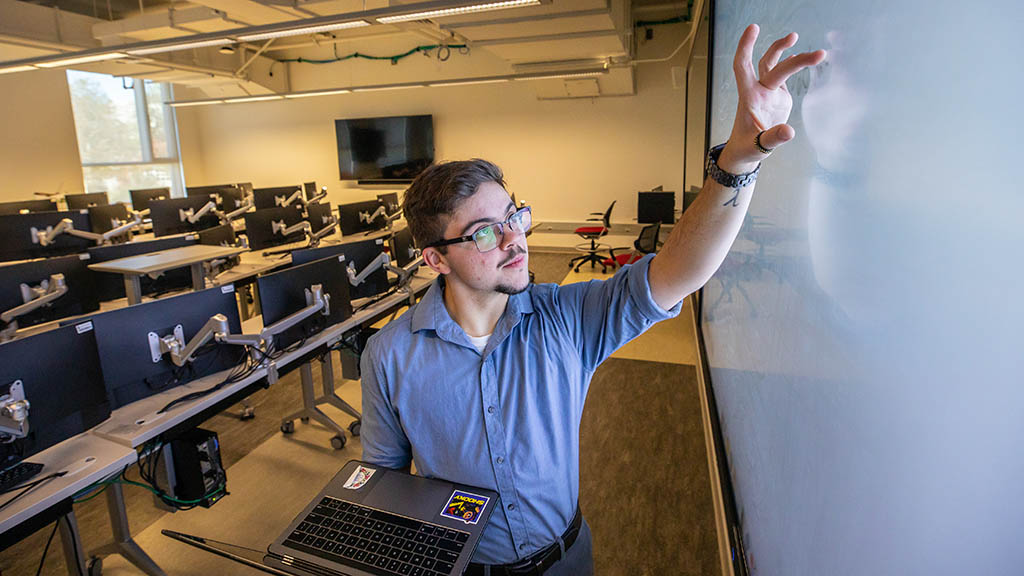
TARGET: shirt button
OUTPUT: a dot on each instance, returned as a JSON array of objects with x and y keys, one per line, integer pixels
[
  {"x": 500, "y": 459},
  {"x": 522, "y": 546},
  {"x": 511, "y": 506},
  {"x": 490, "y": 409}
]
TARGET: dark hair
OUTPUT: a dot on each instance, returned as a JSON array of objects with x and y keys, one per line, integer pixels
[{"x": 437, "y": 192}]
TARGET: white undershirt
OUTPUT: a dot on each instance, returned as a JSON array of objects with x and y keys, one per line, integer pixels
[{"x": 479, "y": 342}]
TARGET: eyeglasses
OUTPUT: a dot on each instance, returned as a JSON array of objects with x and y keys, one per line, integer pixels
[{"x": 488, "y": 237}]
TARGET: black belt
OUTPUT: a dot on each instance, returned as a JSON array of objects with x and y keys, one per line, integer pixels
[{"x": 539, "y": 561}]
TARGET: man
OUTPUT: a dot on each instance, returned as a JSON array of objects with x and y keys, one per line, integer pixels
[{"x": 483, "y": 381}]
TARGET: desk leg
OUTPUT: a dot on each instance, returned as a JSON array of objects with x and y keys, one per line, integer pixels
[
  {"x": 330, "y": 397},
  {"x": 310, "y": 409},
  {"x": 123, "y": 543},
  {"x": 198, "y": 277},
  {"x": 74, "y": 557},
  {"x": 132, "y": 289}
]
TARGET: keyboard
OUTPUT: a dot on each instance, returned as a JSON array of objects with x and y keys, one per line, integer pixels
[
  {"x": 375, "y": 541},
  {"x": 17, "y": 474}
]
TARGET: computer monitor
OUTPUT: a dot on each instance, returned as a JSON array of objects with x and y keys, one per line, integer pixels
[
  {"x": 319, "y": 215},
  {"x": 110, "y": 286},
  {"x": 141, "y": 198},
  {"x": 18, "y": 243},
  {"x": 83, "y": 201},
  {"x": 102, "y": 218},
  {"x": 359, "y": 255},
  {"x": 390, "y": 202},
  {"x": 60, "y": 374},
  {"x": 304, "y": 255},
  {"x": 223, "y": 235},
  {"x": 353, "y": 217},
  {"x": 28, "y": 206},
  {"x": 272, "y": 197},
  {"x": 403, "y": 247},
  {"x": 654, "y": 207},
  {"x": 123, "y": 338},
  {"x": 227, "y": 196},
  {"x": 166, "y": 215},
  {"x": 259, "y": 229},
  {"x": 80, "y": 298},
  {"x": 284, "y": 293},
  {"x": 310, "y": 188}
]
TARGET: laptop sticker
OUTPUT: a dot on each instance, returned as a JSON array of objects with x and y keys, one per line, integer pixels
[
  {"x": 465, "y": 507},
  {"x": 359, "y": 478}
]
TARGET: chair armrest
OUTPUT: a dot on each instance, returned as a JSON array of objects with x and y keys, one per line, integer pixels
[{"x": 594, "y": 219}]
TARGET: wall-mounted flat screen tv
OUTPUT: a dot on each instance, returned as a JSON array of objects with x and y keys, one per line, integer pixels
[{"x": 384, "y": 149}]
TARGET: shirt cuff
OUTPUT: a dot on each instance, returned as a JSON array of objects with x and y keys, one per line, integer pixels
[{"x": 640, "y": 292}]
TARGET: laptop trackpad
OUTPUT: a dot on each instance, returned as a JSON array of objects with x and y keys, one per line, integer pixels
[{"x": 410, "y": 496}]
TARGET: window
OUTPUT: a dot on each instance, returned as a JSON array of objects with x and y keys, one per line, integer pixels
[{"x": 126, "y": 134}]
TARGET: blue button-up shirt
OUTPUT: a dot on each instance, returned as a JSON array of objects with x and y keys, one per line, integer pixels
[{"x": 507, "y": 419}]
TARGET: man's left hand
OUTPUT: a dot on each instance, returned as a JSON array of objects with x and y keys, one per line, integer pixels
[{"x": 764, "y": 102}]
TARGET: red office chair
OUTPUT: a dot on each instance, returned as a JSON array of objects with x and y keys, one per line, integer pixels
[
  {"x": 646, "y": 243},
  {"x": 593, "y": 233}
]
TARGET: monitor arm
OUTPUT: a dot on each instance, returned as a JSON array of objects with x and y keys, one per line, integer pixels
[
  {"x": 317, "y": 301},
  {"x": 367, "y": 217},
  {"x": 215, "y": 329},
  {"x": 316, "y": 237},
  {"x": 279, "y": 227},
  {"x": 36, "y": 297},
  {"x": 234, "y": 214},
  {"x": 66, "y": 226},
  {"x": 192, "y": 216},
  {"x": 296, "y": 196},
  {"x": 13, "y": 414},
  {"x": 405, "y": 273},
  {"x": 320, "y": 196},
  {"x": 381, "y": 261}
]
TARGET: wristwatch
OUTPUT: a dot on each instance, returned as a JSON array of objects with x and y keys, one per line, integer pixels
[{"x": 728, "y": 179}]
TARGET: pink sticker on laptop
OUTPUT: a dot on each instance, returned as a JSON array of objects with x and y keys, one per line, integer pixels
[{"x": 359, "y": 478}]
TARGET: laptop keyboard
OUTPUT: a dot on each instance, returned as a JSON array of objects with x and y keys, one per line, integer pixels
[{"x": 377, "y": 542}]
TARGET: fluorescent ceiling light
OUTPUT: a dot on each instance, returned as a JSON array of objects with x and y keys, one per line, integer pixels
[
  {"x": 468, "y": 82},
  {"x": 194, "y": 103},
  {"x": 82, "y": 60},
  {"x": 380, "y": 88},
  {"x": 17, "y": 69},
  {"x": 252, "y": 99},
  {"x": 181, "y": 46},
  {"x": 564, "y": 75},
  {"x": 319, "y": 93},
  {"x": 306, "y": 30},
  {"x": 457, "y": 11}
]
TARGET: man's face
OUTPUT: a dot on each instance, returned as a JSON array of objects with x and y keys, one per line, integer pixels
[{"x": 503, "y": 269}]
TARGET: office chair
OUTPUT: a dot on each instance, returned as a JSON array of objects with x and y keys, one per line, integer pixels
[
  {"x": 593, "y": 233},
  {"x": 645, "y": 243}
]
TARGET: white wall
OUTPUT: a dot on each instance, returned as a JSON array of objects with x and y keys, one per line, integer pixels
[
  {"x": 567, "y": 158},
  {"x": 38, "y": 145}
]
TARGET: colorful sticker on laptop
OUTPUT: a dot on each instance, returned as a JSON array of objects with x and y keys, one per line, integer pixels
[
  {"x": 359, "y": 478},
  {"x": 465, "y": 507}
]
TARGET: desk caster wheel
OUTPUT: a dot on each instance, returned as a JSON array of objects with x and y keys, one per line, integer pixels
[
  {"x": 305, "y": 419},
  {"x": 248, "y": 413},
  {"x": 355, "y": 427},
  {"x": 95, "y": 566},
  {"x": 338, "y": 442},
  {"x": 288, "y": 427}
]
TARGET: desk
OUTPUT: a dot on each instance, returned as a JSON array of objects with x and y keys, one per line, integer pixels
[
  {"x": 135, "y": 424},
  {"x": 88, "y": 459},
  {"x": 157, "y": 262}
]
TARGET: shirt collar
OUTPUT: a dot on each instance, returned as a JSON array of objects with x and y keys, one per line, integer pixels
[{"x": 431, "y": 314}]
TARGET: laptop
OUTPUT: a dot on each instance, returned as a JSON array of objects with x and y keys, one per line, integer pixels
[{"x": 373, "y": 520}]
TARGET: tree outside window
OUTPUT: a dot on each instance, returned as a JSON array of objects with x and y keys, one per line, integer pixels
[{"x": 126, "y": 134}]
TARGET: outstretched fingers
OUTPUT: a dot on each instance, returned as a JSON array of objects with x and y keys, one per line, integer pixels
[
  {"x": 778, "y": 75},
  {"x": 774, "y": 52}
]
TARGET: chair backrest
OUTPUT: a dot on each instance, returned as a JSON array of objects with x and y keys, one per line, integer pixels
[
  {"x": 647, "y": 241},
  {"x": 606, "y": 219}
]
